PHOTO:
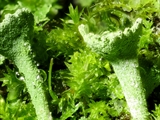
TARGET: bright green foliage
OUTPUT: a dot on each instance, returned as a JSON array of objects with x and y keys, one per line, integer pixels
[
  {"x": 156, "y": 113},
  {"x": 40, "y": 8},
  {"x": 83, "y": 70},
  {"x": 67, "y": 37},
  {"x": 82, "y": 85},
  {"x": 85, "y": 3},
  {"x": 14, "y": 85},
  {"x": 15, "y": 107},
  {"x": 97, "y": 110},
  {"x": 2, "y": 58},
  {"x": 74, "y": 14},
  {"x": 136, "y": 5},
  {"x": 88, "y": 84},
  {"x": 81, "y": 80},
  {"x": 5, "y": 2},
  {"x": 17, "y": 110},
  {"x": 146, "y": 36},
  {"x": 2, "y": 107},
  {"x": 64, "y": 38}
]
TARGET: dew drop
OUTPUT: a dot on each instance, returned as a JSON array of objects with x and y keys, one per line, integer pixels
[
  {"x": 38, "y": 64},
  {"x": 39, "y": 71},
  {"x": 25, "y": 44},
  {"x": 17, "y": 74},
  {"x": 96, "y": 74},
  {"x": 50, "y": 115},
  {"x": 21, "y": 78},
  {"x": 100, "y": 59},
  {"x": 35, "y": 62},
  {"x": 33, "y": 83},
  {"x": 33, "y": 55},
  {"x": 29, "y": 48},
  {"x": 38, "y": 77}
]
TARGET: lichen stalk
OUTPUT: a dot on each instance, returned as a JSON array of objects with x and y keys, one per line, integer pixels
[
  {"x": 120, "y": 48},
  {"x": 15, "y": 34},
  {"x": 34, "y": 83},
  {"x": 128, "y": 74}
]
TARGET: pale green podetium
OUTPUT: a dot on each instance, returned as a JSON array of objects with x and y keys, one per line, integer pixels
[
  {"x": 120, "y": 48},
  {"x": 15, "y": 34}
]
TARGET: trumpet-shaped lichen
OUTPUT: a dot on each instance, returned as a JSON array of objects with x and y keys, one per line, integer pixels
[
  {"x": 15, "y": 34},
  {"x": 120, "y": 48}
]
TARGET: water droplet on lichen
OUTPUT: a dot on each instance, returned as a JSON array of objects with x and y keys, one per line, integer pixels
[
  {"x": 33, "y": 83},
  {"x": 17, "y": 74},
  {"x": 50, "y": 116},
  {"x": 21, "y": 78},
  {"x": 100, "y": 59},
  {"x": 38, "y": 64},
  {"x": 38, "y": 77},
  {"x": 39, "y": 71},
  {"x": 33, "y": 55},
  {"x": 42, "y": 74},
  {"x": 25, "y": 44},
  {"x": 29, "y": 48},
  {"x": 96, "y": 74}
]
